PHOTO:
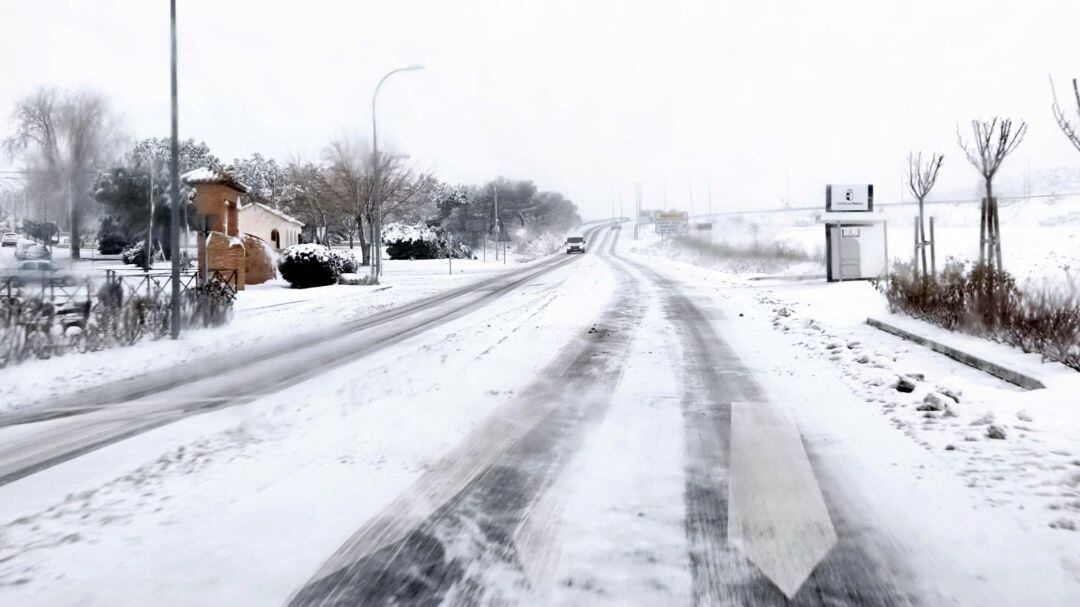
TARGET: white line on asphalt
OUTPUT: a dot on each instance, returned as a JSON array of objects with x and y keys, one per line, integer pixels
[{"x": 776, "y": 514}]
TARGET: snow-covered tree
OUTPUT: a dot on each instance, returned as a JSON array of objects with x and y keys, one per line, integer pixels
[{"x": 269, "y": 182}]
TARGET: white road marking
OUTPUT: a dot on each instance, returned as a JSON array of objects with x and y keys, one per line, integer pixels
[{"x": 776, "y": 514}]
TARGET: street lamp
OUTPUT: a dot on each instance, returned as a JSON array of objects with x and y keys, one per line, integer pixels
[
  {"x": 174, "y": 176},
  {"x": 376, "y": 189}
]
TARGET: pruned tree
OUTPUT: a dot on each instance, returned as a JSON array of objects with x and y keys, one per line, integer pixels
[
  {"x": 992, "y": 142},
  {"x": 67, "y": 135},
  {"x": 1067, "y": 126},
  {"x": 920, "y": 180}
]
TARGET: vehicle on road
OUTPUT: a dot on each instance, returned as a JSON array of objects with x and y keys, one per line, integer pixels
[
  {"x": 616, "y": 226},
  {"x": 575, "y": 244},
  {"x": 38, "y": 271},
  {"x": 9, "y": 239}
]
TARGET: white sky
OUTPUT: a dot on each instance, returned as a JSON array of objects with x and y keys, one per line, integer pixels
[{"x": 578, "y": 95}]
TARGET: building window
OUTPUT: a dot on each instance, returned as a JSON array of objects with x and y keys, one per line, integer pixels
[{"x": 275, "y": 237}]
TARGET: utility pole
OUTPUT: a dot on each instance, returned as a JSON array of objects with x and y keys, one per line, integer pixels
[
  {"x": 174, "y": 189},
  {"x": 621, "y": 215},
  {"x": 637, "y": 204},
  {"x": 690, "y": 186},
  {"x": 147, "y": 252},
  {"x": 498, "y": 233}
]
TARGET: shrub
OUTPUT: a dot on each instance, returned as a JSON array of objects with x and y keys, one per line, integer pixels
[
  {"x": 309, "y": 265},
  {"x": 987, "y": 303},
  {"x": 134, "y": 255},
  {"x": 112, "y": 239},
  {"x": 208, "y": 305},
  {"x": 421, "y": 242},
  {"x": 345, "y": 261}
]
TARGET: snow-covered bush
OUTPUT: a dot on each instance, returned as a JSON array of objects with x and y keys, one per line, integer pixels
[
  {"x": 533, "y": 246},
  {"x": 345, "y": 260},
  {"x": 134, "y": 254},
  {"x": 309, "y": 265},
  {"x": 419, "y": 241}
]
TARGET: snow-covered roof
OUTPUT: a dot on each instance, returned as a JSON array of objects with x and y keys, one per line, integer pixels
[
  {"x": 207, "y": 175},
  {"x": 273, "y": 211}
]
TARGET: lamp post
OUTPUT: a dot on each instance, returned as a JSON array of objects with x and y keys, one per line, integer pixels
[
  {"x": 376, "y": 186},
  {"x": 174, "y": 189},
  {"x": 149, "y": 247}
]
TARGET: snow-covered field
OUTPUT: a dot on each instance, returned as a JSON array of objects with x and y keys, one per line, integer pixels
[{"x": 1040, "y": 236}]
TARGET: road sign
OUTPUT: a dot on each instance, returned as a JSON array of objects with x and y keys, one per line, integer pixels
[
  {"x": 849, "y": 198},
  {"x": 672, "y": 222}
]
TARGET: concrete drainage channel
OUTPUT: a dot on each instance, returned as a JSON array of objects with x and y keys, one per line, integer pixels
[{"x": 1012, "y": 376}]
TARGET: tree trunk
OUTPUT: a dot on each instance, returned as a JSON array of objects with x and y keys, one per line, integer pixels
[
  {"x": 997, "y": 237},
  {"x": 76, "y": 218},
  {"x": 365, "y": 252},
  {"x": 922, "y": 234}
]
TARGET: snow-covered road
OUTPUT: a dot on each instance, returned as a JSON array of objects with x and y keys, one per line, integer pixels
[{"x": 590, "y": 430}]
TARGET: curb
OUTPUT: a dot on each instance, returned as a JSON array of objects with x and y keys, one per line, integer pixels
[
  {"x": 794, "y": 278},
  {"x": 1010, "y": 375}
]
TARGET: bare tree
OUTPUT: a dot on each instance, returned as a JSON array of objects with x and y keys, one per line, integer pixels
[
  {"x": 1067, "y": 126},
  {"x": 66, "y": 134},
  {"x": 921, "y": 178},
  {"x": 993, "y": 141},
  {"x": 348, "y": 178},
  {"x": 348, "y": 175}
]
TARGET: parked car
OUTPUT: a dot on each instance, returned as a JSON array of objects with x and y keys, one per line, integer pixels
[
  {"x": 39, "y": 271},
  {"x": 9, "y": 239},
  {"x": 575, "y": 244},
  {"x": 28, "y": 249}
]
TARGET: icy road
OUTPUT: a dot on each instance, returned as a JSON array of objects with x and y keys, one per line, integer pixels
[{"x": 584, "y": 430}]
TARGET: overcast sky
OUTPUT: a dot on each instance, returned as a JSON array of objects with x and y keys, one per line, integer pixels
[{"x": 757, "y": 98}]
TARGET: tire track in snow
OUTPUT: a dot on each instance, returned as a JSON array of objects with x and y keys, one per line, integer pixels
[
  {"x": 716, "y": 377},
  {"x": 455, "y": 535}
]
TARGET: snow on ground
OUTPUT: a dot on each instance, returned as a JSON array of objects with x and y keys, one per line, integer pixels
[
  {"x": 607, "y": 496},
  {"x": 1033, "y": 474},
  {"x": 241, "y": 505},
  {"x": 1040, "y": 236},
  {"x": 650, "y": 243},
  {"x": 264, "y": 314}
]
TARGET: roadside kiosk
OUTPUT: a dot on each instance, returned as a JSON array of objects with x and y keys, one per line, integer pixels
[{"x": 856, "y": 240}]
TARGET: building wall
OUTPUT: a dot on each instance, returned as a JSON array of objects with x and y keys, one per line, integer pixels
[{"x": 257, "y": 222}]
